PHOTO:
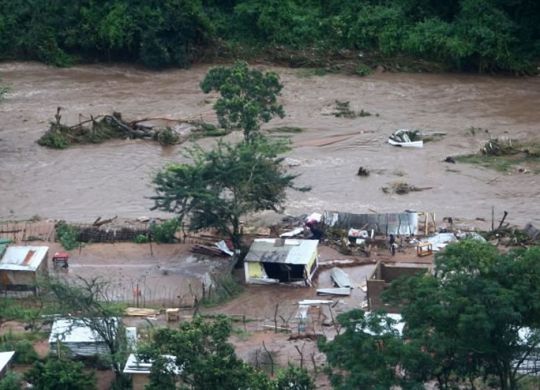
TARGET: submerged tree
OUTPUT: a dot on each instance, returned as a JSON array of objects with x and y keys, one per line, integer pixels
[
  {"x": 248, "y": 97},
  {"x": 222, "y": 185}
]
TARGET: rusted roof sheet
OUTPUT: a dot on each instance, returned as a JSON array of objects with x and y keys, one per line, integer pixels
[
  {"x": 23, "y": 258},
  {"x": 275, "y": 250}
]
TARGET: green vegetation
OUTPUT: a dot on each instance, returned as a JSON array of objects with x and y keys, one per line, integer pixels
[
  {"x": 165, "y": 232},
  {"x": 208, "y": 360},
  {"x": 67, "y": 235},
  {"x": 11, "y": 381},
  {"x": 60, "y": 374},
  {"x": 24, "y": 349},
  {"x": 503, "y": 154},
  {"x": 222, "y": 185},
  {"x": 469, "y": 35},
  {"x": 473, "y": 320}
]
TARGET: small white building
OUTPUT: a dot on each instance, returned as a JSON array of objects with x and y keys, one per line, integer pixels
[
  {"x": 139, "y": 370},
  {"x": 80, "y": 339},
  {"x": 21, "y": 266},
  {"x": 278, "y": 260},
  {"x": 5, "y": 360}
]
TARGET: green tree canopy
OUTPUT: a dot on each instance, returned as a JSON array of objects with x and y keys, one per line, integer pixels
[
  {"x": 206, "y": 358},
  {"x": 248, "y": 97},
  {"x": 477, "y": 316},
  {"x": 222, "y": 185},
  {"x": 60, "y": 374}
]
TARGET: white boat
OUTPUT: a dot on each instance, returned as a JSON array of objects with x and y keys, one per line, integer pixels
[{"x": 406, "y": 138}]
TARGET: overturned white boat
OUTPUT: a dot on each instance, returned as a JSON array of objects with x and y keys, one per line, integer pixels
[{"x": 406, "y": 138}]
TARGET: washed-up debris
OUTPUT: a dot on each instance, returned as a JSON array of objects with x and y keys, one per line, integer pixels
[
  {"x": 311, "y": 302},
  {"x": 340, "y": 278},
  {"x": 293, "y": 233},
  {"x": 140, "y": 312},
  {"x": 101, "y": 128},
  {"x": 340, "y": 291},
  {"x": 502, "y": 146},
  {"x": 342, "y": 109},
  {"x": 207, "y": 250},
  {"x": 532, "y": 232},
  {"x": 402, "y": 188},
  {"x": 223, "y": 247},
  {"x": 362, "y": 172},
  {"x": 441, "y": 240},
  {"x": 406, "y": 138},
  {"x": 450, "y": 160}
]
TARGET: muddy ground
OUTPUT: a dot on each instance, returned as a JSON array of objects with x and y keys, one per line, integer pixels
[{"x": 114, "y": 178}]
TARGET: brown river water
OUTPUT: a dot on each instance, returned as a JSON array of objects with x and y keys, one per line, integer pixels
[{"x": 114, "y": 178}]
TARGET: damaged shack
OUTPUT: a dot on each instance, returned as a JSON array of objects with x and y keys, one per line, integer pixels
[
  {"x": 21, "y": 266},
  {"x": 278, "y": 260},
  {"x": 407, "y": 223},
  {"x": 382, "y": 276}
]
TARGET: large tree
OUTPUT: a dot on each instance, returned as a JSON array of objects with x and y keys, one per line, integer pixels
[
  {"x": 477, "y": 316},
  {"x": 220, "y": 186},
  {"x": 248, "y": 97},
  {"x": 60, "y": 374}
]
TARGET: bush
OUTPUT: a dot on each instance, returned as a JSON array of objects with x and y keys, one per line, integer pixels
[
  {"x": 141, "y": 239},
  {"x": 12, "y": 381},
  {"x": 24, "y": 350},
  {"x": 60, "y": 374},
  {"x": 67, "y": 235},
  {"x": 165, "y": 231}
]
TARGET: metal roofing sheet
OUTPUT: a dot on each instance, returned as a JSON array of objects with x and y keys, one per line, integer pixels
[
  {"x": 275, "y": 250},
  {"x": 137, "y": 366},
  {"x": 5, "y": 358},
  {"x": 73, "y": 330},
  {"x": 23, "y": 258},
  {"x": 392, "y": 223}
]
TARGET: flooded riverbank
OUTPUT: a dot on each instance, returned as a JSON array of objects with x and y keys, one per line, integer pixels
[{"x": 114, "y": 178}]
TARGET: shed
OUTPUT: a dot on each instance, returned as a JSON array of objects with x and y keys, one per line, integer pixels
[
  {"x": 5, "y": 360},
  {"x": 80, "y": 339},
  {"x": 139, "y": 370},
  {"x": 276, "y": 260},
  {"x": 20, "y": 267}
]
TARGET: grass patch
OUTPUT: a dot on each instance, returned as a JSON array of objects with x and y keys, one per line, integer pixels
[
  {"x": 286, "y": 129},
  {"x": 501, "y": 163},
  {"x": 207, "y": 130}
]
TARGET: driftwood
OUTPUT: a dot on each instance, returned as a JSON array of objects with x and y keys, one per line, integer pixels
[{"x": 99, "y": 222}]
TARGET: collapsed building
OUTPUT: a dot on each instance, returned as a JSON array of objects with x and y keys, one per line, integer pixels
[{"x": 278, "y": 260}]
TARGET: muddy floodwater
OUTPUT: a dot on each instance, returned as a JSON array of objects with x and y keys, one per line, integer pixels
[{"x": 82, "y": 183}]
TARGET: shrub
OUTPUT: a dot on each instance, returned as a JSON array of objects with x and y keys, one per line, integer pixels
[
  {"x": 165, "y": 231},
  {"x": 24, "y": 350},
  {"x": 141, "y": 239},
  {"x": 67, "y": 235},
  {"x": 12, "y": 381}
]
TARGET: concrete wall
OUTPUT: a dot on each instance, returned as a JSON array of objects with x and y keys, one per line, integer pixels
[{"x": 381, "y": 278}]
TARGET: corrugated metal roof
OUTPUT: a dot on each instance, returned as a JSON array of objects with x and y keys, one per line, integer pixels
[
  {"x": 275, "y": 250},
  {"x": 136, "y": 366},
  {"x": 23, "y": 258},
  {"x": 73, "y": 330},
  {"x": 392, "y": 223},
  {"x": 5, "y": 358}
]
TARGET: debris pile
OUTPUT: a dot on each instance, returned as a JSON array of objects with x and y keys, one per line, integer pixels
[
  {"x": 402, "y": 188},
  {"x": 502, "y": 146},
  {"x": 101, "y": 128}
]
